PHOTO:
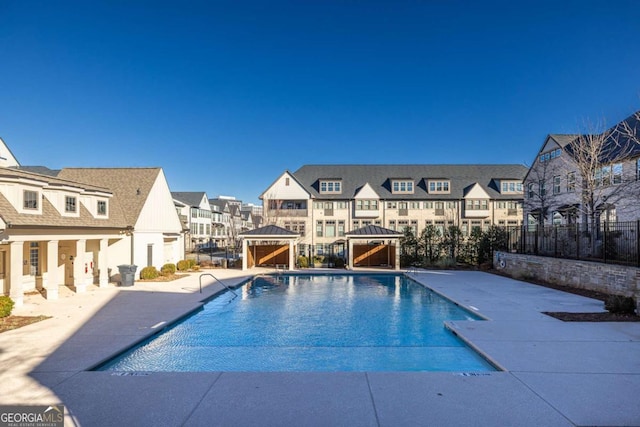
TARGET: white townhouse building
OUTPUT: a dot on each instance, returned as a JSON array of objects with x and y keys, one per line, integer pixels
[
  {"x": 576, "y": 176},
  {"x": 74, "y": 227},
  {"x": 155, "y": 234},
  {"x": 322, "y": 203},
  {"x": 228, "y": 210},
  {"x": 194, "y": 209}
]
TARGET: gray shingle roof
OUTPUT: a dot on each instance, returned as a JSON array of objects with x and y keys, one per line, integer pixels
[
  {"x": 50, "y": 216},
  {"x": 190, "y": 198},
  {"x": 373, "y": 230},
  {"x": 563, "y": 139},
  {"x": 379, "y": 177},
  {"x": 269, "y": 230},
  {"x": 618, "y": 144},
  {"x": 130, "y": 186}
]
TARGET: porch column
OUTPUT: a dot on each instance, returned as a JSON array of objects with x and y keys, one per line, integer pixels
[
  {"x": 103, "y": 271},
  {"x": 79, "y": 275},
  {"x": 51, "y": 283},
  {"x": 244, "y": 254},
  {"x": 292, "y": 261},
  {"x": 350, "y": 255},
  {"x": 15, "y": 273},
  {"x": 397, "y": 251}
]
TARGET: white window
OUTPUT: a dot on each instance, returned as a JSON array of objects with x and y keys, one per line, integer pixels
[
  {"x": 477, "y": 204},
  {"x": 511, "y": 187},
  {"x": 556, "y": 184},
  {"x": 402, "y": 186},
  {"x": 102, "y": 207},
  {"x": 438, "y": 186},
  {"x": 70, "y": 204},
  {"x": 333, "y": 187},
  {"x": 366, "y": 205},
  {"x": 571, "y": 182},
  {"x": 330, "y": 228},
  {"x": 616, "y": 170},
  {"x": 30, "y": 199}
]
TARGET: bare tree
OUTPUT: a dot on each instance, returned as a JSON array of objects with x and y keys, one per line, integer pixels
[
  {"x": 540, "y": 188},
  {"x": 599, "y": 158}
]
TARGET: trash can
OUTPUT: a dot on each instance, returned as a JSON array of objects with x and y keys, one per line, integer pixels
[
  {"x": 224, "y": 263},
  {"x": 127, "y": 273}
]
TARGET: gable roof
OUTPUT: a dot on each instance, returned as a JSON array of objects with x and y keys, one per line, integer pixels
[
  {"x": 130, "y": 186},
  {"x": 563, "y": 139},
  {"x": 379, "y": 178},
  {"x": 190, "y": 198}
]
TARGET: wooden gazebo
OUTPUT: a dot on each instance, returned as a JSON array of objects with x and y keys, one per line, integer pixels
[
  {"x": 373, "y": 246},
  {"x": 269, "y": 246}
]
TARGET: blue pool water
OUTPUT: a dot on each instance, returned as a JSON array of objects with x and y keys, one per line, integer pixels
[{"x": 313, "y": 323}]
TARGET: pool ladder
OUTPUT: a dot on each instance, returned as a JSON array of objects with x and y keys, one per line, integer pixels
[
  {"x": 218, "y": 280},
  {"x": 412, "y": 269}
]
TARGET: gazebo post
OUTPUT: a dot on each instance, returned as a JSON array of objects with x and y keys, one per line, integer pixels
[{"x": 244, "y": 254}]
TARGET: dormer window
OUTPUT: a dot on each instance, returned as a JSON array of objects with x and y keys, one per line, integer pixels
[
  {"x": 439, "y": 187},
  {"x": 30, "y": 199},
  {"x": 402, "y": 187},
  {"x": 102, "y": 208},
  {"x": 330, "y": 187},
  {"x": 511, "y": 187},
  {"x": 70, "y": 204}
]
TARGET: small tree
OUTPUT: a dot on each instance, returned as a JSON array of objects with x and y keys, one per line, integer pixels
[
  {"x": 493, "y": 239},
  {"x": 453, "y": 241},
  {"x": 431, "y": 239},
  {"x": 408, "y": 248}
]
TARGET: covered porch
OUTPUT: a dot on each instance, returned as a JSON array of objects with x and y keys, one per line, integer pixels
[{"x": 45, "y": 262}]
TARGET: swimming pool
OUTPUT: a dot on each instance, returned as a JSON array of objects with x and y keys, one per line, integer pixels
[{"x": 379, "y": 322}]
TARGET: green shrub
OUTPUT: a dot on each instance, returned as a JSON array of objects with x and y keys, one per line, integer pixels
[
  {"x": 619, "y": 304},
  {"x": 192, "y": 263},
  {"x": 303, "y": 261},
  {"x": 149, "y": 273},
  {"x": 168, "y": 269},
  {"x": 183, "y": 265},
  {"x": 6, "y": 305}
]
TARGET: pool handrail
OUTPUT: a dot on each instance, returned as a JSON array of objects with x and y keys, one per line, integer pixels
[{"x": 218, "y": 280}]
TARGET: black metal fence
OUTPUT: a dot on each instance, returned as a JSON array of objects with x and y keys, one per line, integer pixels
[{"x": 609, "y": 242}]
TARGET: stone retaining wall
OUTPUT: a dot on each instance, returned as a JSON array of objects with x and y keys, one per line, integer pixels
[{"x": 608, "y": 278}]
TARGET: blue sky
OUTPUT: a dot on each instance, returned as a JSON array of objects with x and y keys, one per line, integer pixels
[{"x": 227, "y": 95}]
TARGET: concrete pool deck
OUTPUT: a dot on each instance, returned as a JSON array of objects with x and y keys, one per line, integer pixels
[{"x": 555, "y": 373}]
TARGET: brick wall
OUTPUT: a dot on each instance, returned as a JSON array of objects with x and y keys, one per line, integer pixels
[{"x": 608, "y": 278}]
